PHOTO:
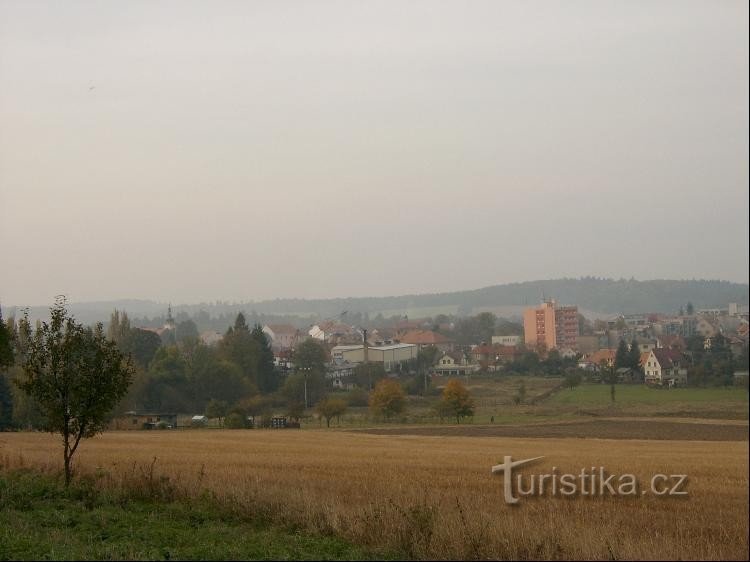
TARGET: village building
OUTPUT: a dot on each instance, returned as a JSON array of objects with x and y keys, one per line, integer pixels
[
  {"x": 453, "y": 364},
  {"x": 281, "y": 336},
  {"x": 664, "y": 367}
]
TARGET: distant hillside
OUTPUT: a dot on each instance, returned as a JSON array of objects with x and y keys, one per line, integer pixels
[{"x": 602, "y": 296}]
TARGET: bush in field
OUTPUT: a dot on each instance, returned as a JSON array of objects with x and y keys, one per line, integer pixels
[
  {"x": 235, "y": 420},
  {"x": 573, "y": 379},
  {"x": 330, "y": 408},
  {"x": 387, "y": 399},
  {"x": 456, "y": 400}
]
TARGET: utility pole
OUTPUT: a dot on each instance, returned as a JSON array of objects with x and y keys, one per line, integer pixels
[{"x": 366, "y": 358}]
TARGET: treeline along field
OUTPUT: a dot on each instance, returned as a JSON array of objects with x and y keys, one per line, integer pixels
[{"x": 434, "y": 497}]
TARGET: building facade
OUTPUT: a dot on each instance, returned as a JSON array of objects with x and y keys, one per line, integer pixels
[{"x": 551, "y": 326}]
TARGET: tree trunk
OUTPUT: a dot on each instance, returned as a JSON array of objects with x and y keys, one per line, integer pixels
[{"x": 66, "y": 459}]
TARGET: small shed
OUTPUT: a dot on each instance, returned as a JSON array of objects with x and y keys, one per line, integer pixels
[{"x": 199, "y": 421}]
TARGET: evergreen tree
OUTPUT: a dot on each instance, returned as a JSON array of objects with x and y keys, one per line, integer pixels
[
  {"x": 266, "y": 375},
  {"x": 690, "y": 309},
  {"x": 621, "y": 357},
  {"x": 239, "y": 347},
  {"x": 634, "y": 356}
]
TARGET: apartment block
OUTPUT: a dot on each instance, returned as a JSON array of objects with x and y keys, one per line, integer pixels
[{"x": 551, "y": 326}]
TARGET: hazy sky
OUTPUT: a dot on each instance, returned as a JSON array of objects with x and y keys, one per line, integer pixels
[{"x": 191, "y": 151}]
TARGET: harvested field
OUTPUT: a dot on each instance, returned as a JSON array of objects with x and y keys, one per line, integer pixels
[
  {"x": 588, "y": 429},
  {"x": 432, "y": 496}
]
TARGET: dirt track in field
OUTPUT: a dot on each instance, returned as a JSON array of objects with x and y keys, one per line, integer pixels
[{"x": 594, "y": 429}]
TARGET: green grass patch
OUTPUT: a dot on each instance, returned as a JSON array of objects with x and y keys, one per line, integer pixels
[
  {"x": 40, "y": 520},
  {"x": 599, "y": 394}
]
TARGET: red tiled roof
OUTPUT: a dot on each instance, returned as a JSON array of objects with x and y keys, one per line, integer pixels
[
  {"x": 423, "y": 337},
  {"x": 667, "y": 358},
  {"x": 669, "y": 341},
  {"x": 603, "y": 355},
  {"x": 644, "y": 358}
]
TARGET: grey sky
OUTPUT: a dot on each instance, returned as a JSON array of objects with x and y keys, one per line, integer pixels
[{"x": 192, "y": 151}]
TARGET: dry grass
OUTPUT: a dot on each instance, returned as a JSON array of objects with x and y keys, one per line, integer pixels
[{"x": 434, "y": 497}]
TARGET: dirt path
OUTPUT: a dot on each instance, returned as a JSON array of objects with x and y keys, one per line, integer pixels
[{"x": 595, "y": 429}]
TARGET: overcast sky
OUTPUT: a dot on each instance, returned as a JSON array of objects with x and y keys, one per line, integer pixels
[{"x": 192, "y": 151}]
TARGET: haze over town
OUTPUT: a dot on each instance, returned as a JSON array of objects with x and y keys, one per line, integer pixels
[{"x": 174, "y": 152}]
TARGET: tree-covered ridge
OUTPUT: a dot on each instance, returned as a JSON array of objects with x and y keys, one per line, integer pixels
[{"x": 607, "y": 296}]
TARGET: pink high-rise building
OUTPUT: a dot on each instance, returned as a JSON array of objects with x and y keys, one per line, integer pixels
[{"x": 551, "y": 326}]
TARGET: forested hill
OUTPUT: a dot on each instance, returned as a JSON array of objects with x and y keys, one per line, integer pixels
[
  {"x": 601, "y": 295},
  {"x": 605, "y": 296}
]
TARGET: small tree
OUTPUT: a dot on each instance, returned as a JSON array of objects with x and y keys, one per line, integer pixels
[
  {"x": 330, "y": 408},
  {"x": 387, "y": 399},
  {"x": 621, "y": 356},
  {"x": 76, "y": 375},
  {"x": 572, "y": 379},
  {"x": 295, "y": 410},
  {"x": 520, "y": 396},
  {"x": 457, "y": 400},
  {"x": 217, "y": 409}
]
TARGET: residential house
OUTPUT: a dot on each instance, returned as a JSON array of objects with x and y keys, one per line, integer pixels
[
  {"x": 673, "y": 341},
  {"x": 453, "y": 363},
  {"x": 603, "y": 357},
  {"x": 645, "y": 344},
  {"x": 706, "y": 327},
  {"x": 665, "y": 367},
  {"x": 334, "y": 332},
  {"x": 281, "y": 336}
]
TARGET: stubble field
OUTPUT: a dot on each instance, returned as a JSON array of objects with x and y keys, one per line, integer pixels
[{"x": 434, "y": 496}]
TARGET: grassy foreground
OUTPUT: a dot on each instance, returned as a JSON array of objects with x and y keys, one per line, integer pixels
[
  {"x": 41, "y": 520},
  {"x": 413, "y": 496}
]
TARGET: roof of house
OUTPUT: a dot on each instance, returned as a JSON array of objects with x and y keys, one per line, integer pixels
[
  {"x": 457, "y": 356},
  {"x": 673, "y": 340},
  {"x": 333, "y": 327},
  {"x": 423, "y": 337},
  {"x": 667, "y": 358},
  {"x": 602, "y": 355},
  {"x": 282, "y": 328},
  {"x": 644, "y": 357}
]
